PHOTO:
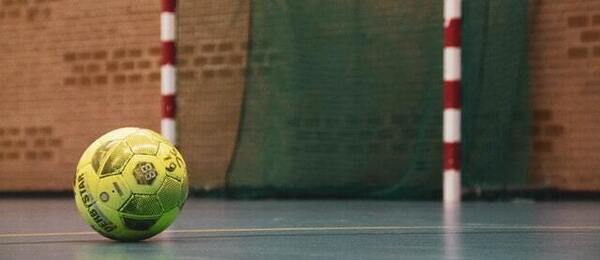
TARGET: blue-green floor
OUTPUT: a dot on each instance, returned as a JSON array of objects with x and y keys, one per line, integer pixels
[{"x": 221, "y": 229}]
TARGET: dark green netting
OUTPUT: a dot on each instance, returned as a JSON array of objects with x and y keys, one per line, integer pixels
[
  {"x": 496, "y": 123},
  {"x": 344, "y": 98}
]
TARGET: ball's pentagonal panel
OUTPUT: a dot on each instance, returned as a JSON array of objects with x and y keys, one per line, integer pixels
[
  {"x": 113, "y": 192},
  {"x": 118, "y": 134},
  {"x": 174, "y": 164},
  {"x": 141, "y": 142},
  {"x": 139, "y": 224},
  {"x": 142, "y": 205},
  {"x": 171, "y": 194},
  {"x": 144, "y": 174},
  {"x": 115, "y": 159},
  {"x": 130, "y": 184}
]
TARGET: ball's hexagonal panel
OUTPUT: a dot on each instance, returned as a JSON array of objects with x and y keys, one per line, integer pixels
[
  {"x": 144, "y": 173},
  {"x": 143, "y": 143},
  {"x": 184, "y": 190},
  {"x": 118, "y": 134},
  {"x": 113, "y": 192},
  {"x": 85, "y": 186},
  {"x": 142, "y": 206},
  {"x": 116, "y": 159},
  {"x": 101, "y": 154},
  {"x": 134, "y": 175},
  {"x": 170, "y": 193},
  {"x": 155, "y": 135},
  {"x": 104, "y": 219},
  {"x": 174, "y": 164}
]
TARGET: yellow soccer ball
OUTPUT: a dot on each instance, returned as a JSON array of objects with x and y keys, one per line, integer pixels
[{"x": 130, "y": 184}]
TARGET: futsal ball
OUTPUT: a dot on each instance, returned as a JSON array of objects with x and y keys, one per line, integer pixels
[{"x": 130, "y": 184}]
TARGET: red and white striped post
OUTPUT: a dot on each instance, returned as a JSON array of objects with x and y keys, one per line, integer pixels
[
  {"x": 452, "y": 106},
  {"x": 168, "y": 87}
]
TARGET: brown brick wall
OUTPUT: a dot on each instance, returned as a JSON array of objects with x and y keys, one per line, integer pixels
[
  {"x": 70, "y": 71},
  {"x": 565, "y": 90},
  {"x": 213, "y": 37}
]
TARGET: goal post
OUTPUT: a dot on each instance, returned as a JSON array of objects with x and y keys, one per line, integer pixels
[
  {"x": 452, "y": 106},
  {"x": 168, "y": 88}
]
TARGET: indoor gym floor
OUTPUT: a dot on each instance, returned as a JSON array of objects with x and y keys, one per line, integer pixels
[{"x": 333, "y": 229}]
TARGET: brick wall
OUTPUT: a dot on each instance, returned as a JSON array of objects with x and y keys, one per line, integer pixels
[
  {"x": 70, "y": 71},
  {"x": 565, "y": 90},
  {"x": 213, "y": 37}
]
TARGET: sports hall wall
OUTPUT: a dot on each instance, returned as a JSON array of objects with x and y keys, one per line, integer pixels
[
  {"x": 564, "y": 62},
  {"x": 72, "y": 70}
]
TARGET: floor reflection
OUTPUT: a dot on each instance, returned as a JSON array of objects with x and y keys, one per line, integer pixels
[
  {"x": 145, "y": 250},
  {"x": 453, "y": 241}
]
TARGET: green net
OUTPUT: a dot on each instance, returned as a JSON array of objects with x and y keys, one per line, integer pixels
[
  {"x": 495, "y": 95},
  {"x": 344, "y": 98}
]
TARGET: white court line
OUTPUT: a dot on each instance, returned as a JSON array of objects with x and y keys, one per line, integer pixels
[
  {"x": 233, "y": 230},
  {"x": 57, "y": 234},
  {"x": 308, "y": 229},
  {"x": 283, "y": 229}
]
